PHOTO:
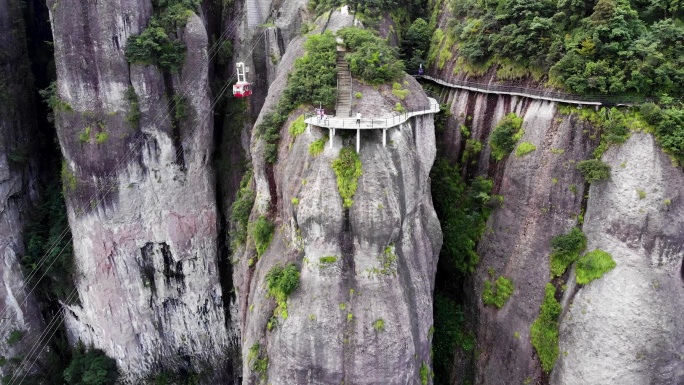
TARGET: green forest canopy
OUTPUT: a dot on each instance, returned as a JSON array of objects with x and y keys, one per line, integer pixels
[{"x": 587, "y": 47}]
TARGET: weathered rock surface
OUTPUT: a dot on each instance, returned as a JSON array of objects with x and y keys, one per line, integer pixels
[
  {"x": 538, "y": 204},
  {"x": 631, "y": 318},
  {"x": 328, "y": 336},
  {"x": 141, "y": 201},
  {"x": 18, "y": 309},
  {"x": 628, "y": 326}
]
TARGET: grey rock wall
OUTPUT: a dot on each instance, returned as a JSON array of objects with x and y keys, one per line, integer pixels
[
  {"x": 538, "y": 203},
  {"x": 19, "y": 311},
  {"x": 328, "y": 335},
  {"x": 142, "y": 205},
  {"x": 628, "y": 326}
]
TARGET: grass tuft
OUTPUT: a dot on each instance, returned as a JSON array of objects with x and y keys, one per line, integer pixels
[
  {"x": 347, "y": 167},
  {"x": 544, "y": 330},
  {"x": 497, "y": 296},
  {"x": 524, "y": 148},
  {"x": 593, "y": 265},
  {"x": 566, "y": 249}
]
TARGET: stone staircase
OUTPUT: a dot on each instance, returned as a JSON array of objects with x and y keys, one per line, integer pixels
[{"x": 344, "y": 85}]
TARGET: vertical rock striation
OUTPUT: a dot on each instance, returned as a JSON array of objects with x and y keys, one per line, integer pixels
[
  {"x": 141, "y": 198},
  {"x": 19, "y": 312},
  {"x": 382, "y": 255},
  {"x": 542, "y": 196},
  {"x": 628, "y": 326}
]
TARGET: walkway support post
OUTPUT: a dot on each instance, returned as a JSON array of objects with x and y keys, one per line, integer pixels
[
  {"x": 308, "y": 128},
  {"x": 331, "y": 133},
  {"x": 384, "y": 137},
  {"x": 358, "y": 140}
]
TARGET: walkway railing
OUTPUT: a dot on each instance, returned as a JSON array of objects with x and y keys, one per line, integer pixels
[
  {"x": 540, "y": 94},
  {"x": 368, "y": 124},
  {"x": 372, "y": 123}
]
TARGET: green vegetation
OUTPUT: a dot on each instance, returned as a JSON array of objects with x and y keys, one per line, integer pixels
[
  {"x": 424, "y": 373},
  {"x": 399, "y": 108},
  {"x": 272, "y": 323},
  {"x": 281, "y": 283},
  {"x": 240, "y": 210},
  {"x": 358, "y": 95},
  {"x": 593, "y": 265},
  {"x": 524, "y": 148},
  {"x": 160, "y": 43},
  {"x": 225, "y": 53},
  {"x": 379, "y": 325},
  {"x": 44, "y": 229},
  {"x": 607, "y": 46},
  {"x": 593, "y": 170},
  {"x": 101, "y": 137},
  {"x": 566, "y": 249},
  {"x": 52, "y": 99},
  {"x": 133, "y": 115},
  {"x": 298, "y": 126},
  {"x": 399, "y": 92},
  {"x": 257, "y": 360},
  {"x": 347, "y": 167},
  {"x": 472, "y": 148},
  {"x": 414, "y": 44},
  {"x": 641, "y": 194},
  {"x": 295, "y": 201},
  {"x": 90, "y": 368},
  {"x": 505, "y": 135},
  {"x": 317, "y": 147},
  {"x": 463, "y": 211},
  {"x": 498, "y": 295},
  {"x": 262, "y": 232},
  {"x": 327, "y": 260},
  {"x": 14, "y": 337},
  {"x": 313, "y": 80},
  {"x": 370, "y": 58},
  {"x": 544, "y": 330},
  {"x": 668, "y": 128},
  {"x": 84, "y": 137},
  {"x": 449, "y": 333}
]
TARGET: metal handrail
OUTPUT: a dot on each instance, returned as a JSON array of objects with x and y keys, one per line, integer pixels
[
  {"x": 539, "y": 93},
  {"x": 372, "y": 123},
  {"x": 351, "y": 86}
]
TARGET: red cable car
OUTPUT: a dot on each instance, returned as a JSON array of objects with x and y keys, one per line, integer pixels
[{"x": 241, "y": 89}]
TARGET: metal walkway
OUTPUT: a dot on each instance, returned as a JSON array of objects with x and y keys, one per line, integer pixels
[
  {"x": 369, "y": 123},
  {"x": 552, "y": 96}
]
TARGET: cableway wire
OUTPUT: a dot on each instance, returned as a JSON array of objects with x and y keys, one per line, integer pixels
[{"x": 57, "y": 318}]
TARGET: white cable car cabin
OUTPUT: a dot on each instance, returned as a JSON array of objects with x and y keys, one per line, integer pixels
[{"x": 241, "y": 89}]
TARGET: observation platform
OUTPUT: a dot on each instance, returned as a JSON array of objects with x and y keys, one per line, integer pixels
[{"x": 370, "y": 123}]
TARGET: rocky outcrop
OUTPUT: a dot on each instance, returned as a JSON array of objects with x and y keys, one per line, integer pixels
[
  {"x": 542, "y": 196},
  {"x": 141, "y": 198},
  {"x": 384, "y": 250},
  {"x": 20, "y": 320},
  {"x": 628, "y": 326}
]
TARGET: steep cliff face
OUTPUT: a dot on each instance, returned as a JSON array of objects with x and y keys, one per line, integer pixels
[
  {"x": 624, "y": 327},
  {"x": 140, "y": 196},
  {"x": 20, "y": 320},
  {"x": 627, "y": 327},
  {"x": 372, "y": 262},
  {"x": 541, "y": 198}
]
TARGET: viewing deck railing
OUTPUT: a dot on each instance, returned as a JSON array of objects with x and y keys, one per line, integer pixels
[{"x": 371, "y": 123}]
